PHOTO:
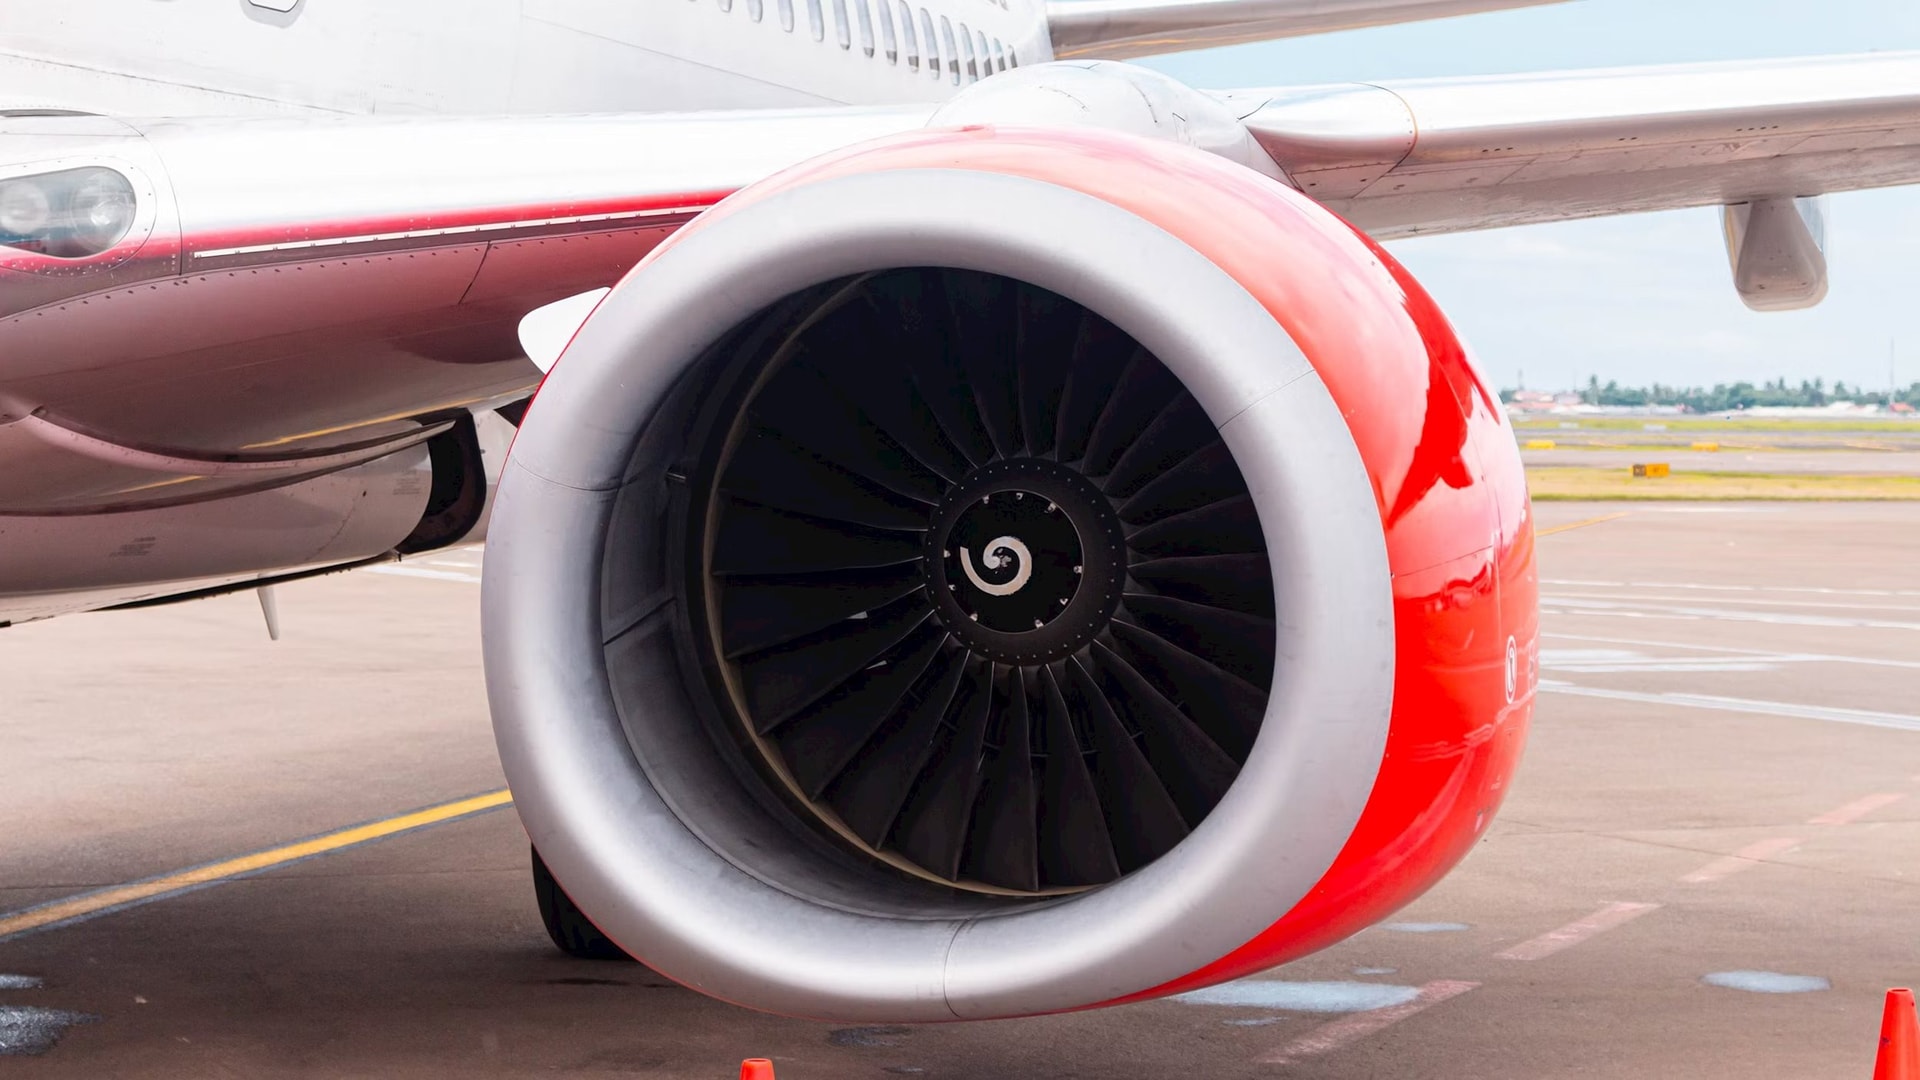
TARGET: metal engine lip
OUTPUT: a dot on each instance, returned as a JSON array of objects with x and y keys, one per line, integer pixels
[{"x": 655, "y": 880}]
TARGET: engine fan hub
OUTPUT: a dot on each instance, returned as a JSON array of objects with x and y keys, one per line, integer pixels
[{"x": 1025, "y": 560}]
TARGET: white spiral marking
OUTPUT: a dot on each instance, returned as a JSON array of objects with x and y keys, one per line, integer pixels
[{"x": 994, "y": 556}]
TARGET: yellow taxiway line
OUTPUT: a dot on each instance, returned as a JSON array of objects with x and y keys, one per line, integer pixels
[
  {"x": 88, "y": 904},
  {"x": 1583, "y": 524}
]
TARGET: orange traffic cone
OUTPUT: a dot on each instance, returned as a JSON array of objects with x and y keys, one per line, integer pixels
[
  {"x": 762, "y": 1069},
  {"x": 1899, "y": 1040}
]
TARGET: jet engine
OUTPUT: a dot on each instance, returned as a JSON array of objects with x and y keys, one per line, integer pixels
[{"x": 997, "y": 571}]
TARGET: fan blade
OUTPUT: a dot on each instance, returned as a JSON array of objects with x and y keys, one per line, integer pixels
[
  {"x": 981, "y": 313},
  {"x": 1144, "y": 389},
  {"x": 1242, "y": 644},
  {"x": 819, "y": 742},
  {"x": 760, "y": 540},
  {"x": 870, "y": 791},
  {"x": 932, "y": 827},
  {"x": 1240, "y": 583},
  {"x": 1228, "y": 527},
  {"x": 1229, "y": 709},
  {"x": 771, "y": 471},
  {"x": 1075, "y": 846},
  {"x": 1195, "y": 771},
  {"x": 780, "y": 681},
  {"x": 1045, "y": 333},
  {"x": 759, "y": 613},
  {"x": 937, "y": 372},
  {"x": 1208, "y": 476},
  {"x": 1002, "y": 844},
  {"x": 1100, "y": 353},
  {"x": 801, "y": 405},
  {"x": 1142, "y": 818},
  {"x": 1181, "y": 428}
]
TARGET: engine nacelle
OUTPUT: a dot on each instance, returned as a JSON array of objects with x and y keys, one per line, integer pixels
[{"x": 1001, "y": 571}]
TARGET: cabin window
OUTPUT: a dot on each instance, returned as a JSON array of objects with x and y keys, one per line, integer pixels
[
  {"x": 1013, "y": 58},
  {"x": 786, "y": 15},
  {"x": 999, "y": 56},
  {"x": 933, "y": 43},
  {"x": 816, "y": 21},
  {"x": 986, "y": 61},
  {"x": 726, "y": 5},
  {"x": 756, "y": 9},
  {"x": 908, "y": 38},
  {"x": 952, "y": 52},
  {"x": 887, "y": 40},
  {"x": 966, "y": 46},
  {"x": 841, "y": 24},
  {"x": 866, "y": 24}
]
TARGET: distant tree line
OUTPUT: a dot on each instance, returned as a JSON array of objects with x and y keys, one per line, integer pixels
[{"x": 1726, "y": 397}]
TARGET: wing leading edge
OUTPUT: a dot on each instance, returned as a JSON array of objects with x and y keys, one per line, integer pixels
[{"x": 1446, "y": 155}]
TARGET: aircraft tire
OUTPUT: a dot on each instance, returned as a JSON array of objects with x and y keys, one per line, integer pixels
[{"x": 572, "y": 932}]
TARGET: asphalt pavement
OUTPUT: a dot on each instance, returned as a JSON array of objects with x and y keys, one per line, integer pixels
[{"x": 1709, "y": 866}]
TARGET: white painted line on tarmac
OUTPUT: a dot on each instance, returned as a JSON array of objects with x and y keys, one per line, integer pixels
[
  {"x": 1857, "y": 809},
  {"x": 1621, "y": 661},
  {"x": 1765, "y": 655},
  {"x": 1831, "y": 605},
  {"x": 1898, "y": 721},
  {"x": 1819, "y": 590},
  {"x": 1348, "y": 1030},
  {"x": 1562, "y": 605},
  {"x": 423, "y": 572},
  {"x": 1746, "y": 858},
  {"x": 1577, "y": 931}
]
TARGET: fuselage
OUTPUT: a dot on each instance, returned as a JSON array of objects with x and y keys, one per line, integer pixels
[
  {"x": 504, "y": 56},
  {"x": 398, "y": 187}
]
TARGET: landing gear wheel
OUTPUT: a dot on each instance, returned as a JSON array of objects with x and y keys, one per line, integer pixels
[{"x": 570, "y": 930}]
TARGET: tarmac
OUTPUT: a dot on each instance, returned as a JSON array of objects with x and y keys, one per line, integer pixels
[{"x": 1709, "y": 866}]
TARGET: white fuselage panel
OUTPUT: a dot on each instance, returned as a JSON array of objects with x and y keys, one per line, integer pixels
[{"x": 503, "y": 56}]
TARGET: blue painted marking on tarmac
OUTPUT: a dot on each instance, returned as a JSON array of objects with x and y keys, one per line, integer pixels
[
  {"x": 1767, "y": 982},
  {"x": 1375, "y": 971},
  {"x": 1312, "y": 997},
  {"x": 20, "y": 982},
  {"x": 1425, "y": 927}
]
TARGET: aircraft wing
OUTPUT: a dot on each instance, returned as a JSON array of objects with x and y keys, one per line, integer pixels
[
  {"x": 246, "y": 301},
  {"x": 1445, "y": 155}
]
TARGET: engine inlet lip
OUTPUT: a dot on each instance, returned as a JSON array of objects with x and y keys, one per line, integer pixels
[{"x": 644, "y": 849}]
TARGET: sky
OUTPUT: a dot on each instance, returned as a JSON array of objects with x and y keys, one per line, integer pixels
[{"x": 1647, "y": 297}]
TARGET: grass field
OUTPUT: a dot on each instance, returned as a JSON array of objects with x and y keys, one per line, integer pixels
[
  {"x": 1551, "y": 482},
  {"x": 1691, "y": 424}
]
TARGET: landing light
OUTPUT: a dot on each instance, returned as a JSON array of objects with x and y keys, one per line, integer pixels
[{"x": 70, "y": 214}]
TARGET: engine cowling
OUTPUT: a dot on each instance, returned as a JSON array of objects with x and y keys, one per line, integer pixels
[{"x": 1003, "y": 571}]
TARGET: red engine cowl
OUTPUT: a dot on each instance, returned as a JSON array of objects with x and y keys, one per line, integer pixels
[{"x": 1002, "y": 571}]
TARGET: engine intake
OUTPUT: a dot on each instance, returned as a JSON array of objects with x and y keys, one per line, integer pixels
[
  {"x": 912, "y": 522},
  {"x": 930, "y": 588}
]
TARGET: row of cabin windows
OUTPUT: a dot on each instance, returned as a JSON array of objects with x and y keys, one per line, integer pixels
[{"x": 982, "y": 55}]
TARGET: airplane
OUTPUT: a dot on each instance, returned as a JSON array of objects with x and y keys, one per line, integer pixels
[{"x": 987, "y": 529}]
